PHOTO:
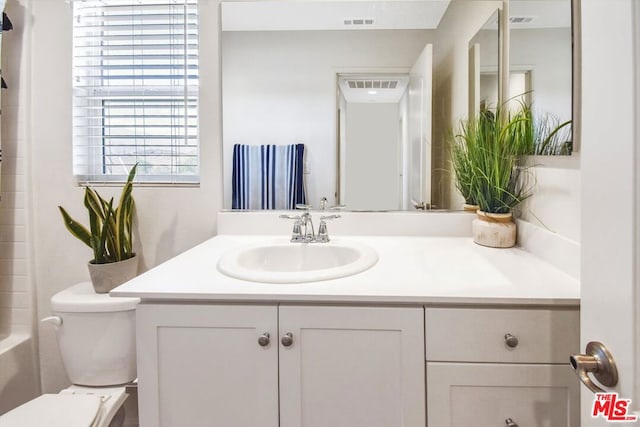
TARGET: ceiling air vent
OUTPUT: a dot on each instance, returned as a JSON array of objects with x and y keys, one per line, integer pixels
[
  {"x": 359, "y": 21},
  {"x": 372, "y": 84},
  {"x": 520, "y": 19}
]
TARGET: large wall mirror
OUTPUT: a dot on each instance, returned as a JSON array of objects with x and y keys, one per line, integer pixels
[
  {"x": 351, "y": 99},
  {"x": 541, "y": 67},
  {"x": 484, "y": 67}
]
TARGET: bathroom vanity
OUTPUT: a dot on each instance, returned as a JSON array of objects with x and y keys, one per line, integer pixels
[{"x": 439, "y": 332}]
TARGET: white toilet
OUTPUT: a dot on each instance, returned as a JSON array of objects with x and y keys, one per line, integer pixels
[{"x": 96, "y": 335}]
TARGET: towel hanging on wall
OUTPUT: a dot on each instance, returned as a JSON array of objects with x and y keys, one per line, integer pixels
[{"x": 268, "y": 176}]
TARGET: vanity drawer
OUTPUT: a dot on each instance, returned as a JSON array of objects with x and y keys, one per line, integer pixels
[
  {"x": 480, "y": 335},
  {"x": 523, "y": 394}
]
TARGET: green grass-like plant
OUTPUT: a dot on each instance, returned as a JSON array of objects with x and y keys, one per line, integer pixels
[
  {"x": 110, "y": 228},
  {"x": 552, "y": 137},
  {"x": 487, "y": 158}
]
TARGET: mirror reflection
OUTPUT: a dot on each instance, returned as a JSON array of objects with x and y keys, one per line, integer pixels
[
  {"x": 484, "y": 68},
  {"x": 541, "y": 67},
  {"x": 347, "y": 101}
]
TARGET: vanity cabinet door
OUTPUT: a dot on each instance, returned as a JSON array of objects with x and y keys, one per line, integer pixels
[
  {"x": 351, "y": 366},
  {"x": 203, "y": 365},
  {"x": 488, "y": 395}
]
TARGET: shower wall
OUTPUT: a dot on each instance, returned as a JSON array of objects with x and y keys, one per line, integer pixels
[{"x": 19, "y": 380}]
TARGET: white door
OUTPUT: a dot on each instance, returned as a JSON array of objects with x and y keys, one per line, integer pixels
[
  {"x": 206, "y": 365},
  {"x": 420, "y": 88},
  {"x": 610, "y": 167},
  {"x": 352, "y": 366}
]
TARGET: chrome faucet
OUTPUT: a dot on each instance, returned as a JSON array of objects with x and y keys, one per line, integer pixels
[{"x": 303, "y": 231}]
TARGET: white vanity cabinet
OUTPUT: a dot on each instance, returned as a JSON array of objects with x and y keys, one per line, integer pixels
[
  {"x": 501, "y": 367},
  {"x": 211, "y": 365},
  {"x": 202, "y": 365}
]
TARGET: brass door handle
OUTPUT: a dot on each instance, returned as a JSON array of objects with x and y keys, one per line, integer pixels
[{"x": 597, "y": 361}]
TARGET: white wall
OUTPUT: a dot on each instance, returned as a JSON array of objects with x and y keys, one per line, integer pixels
[
  {"x": 280, "y": 88},
  {"x": 555, "y": 203},
  {"x": 372, "y": 156},
  {"x": 170, "y": 219},
  {"x": 547, "y": 53}
]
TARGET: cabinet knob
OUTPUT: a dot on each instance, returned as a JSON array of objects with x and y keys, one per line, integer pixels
[
  {"x": 510, "y": 423},
  {"x": 511, "y": 341},
  {"x": 264, "y": 339},
  {"x": 287, "y": 339}
]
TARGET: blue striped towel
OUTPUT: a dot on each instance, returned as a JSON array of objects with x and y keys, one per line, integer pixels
[{"x": 268, "y": 176}]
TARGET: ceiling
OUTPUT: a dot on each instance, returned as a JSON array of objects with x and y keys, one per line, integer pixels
[
  {"x": 545, "y": 13},
  {"x": 331, "y": 15},
  {"x": 283, "y": 15}
]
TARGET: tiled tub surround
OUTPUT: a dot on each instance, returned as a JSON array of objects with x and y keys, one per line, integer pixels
[
  {"x": 18, "y": 379},
  {"x": 303, "y": 350}
]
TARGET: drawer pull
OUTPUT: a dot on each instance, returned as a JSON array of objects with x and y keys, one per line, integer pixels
[
  {"x": 509, "y": 422},
  {"x": 287, "y": 339},
  {"x": 511, "y": 341},
  {"x": 264, "y": 339}
]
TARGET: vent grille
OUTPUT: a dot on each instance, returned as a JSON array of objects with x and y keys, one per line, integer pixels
[
  {"x": 359, "y": 21},
  {"x": 372, "y": 84},
  {"x": 520, "y": 19}
]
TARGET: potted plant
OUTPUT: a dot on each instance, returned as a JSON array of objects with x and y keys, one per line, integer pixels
[
  {"x": 494, "y": 176},
  {"x": 464, "y": 148},
  {"x": 109, "y": 236}
]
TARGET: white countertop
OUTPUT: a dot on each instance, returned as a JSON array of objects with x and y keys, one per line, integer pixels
[{"x": 410, "y": 270}]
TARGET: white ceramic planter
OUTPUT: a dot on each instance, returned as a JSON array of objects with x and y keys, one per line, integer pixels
[
  {"x": 494, "y": 230},
  {"x": 105, "y": 277}
]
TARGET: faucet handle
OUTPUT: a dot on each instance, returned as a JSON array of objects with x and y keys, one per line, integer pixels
[
  {"x": 327, "y": 217},
  {"x": 323, "y": 235},
  {"x": 296, "y": 233},
  {"x": 290, "y": 216},
  {"x": 338, "y": 207}
]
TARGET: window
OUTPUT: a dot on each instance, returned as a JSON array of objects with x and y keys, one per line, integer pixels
[{"x": 135, "y": 90}]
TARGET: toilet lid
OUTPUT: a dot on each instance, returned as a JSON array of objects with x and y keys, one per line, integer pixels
[{"x": 54, "y": 410}]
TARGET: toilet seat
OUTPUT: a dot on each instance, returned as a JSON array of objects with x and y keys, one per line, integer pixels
[{"x": 74, "y": 407}]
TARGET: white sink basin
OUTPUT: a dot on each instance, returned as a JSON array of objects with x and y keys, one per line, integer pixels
[{"x": 297, "y": 262}]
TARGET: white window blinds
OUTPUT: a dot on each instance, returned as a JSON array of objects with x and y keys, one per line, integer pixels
[{"x": 135, "y": 90}]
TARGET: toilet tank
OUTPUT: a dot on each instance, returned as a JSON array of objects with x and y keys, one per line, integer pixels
[{"x": 97, "y": 336}]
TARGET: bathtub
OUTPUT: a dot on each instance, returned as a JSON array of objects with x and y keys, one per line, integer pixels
[{"x": 18, "y": 379}]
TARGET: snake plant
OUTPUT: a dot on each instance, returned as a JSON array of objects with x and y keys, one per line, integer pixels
[{"x": 110, "y": 227}]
